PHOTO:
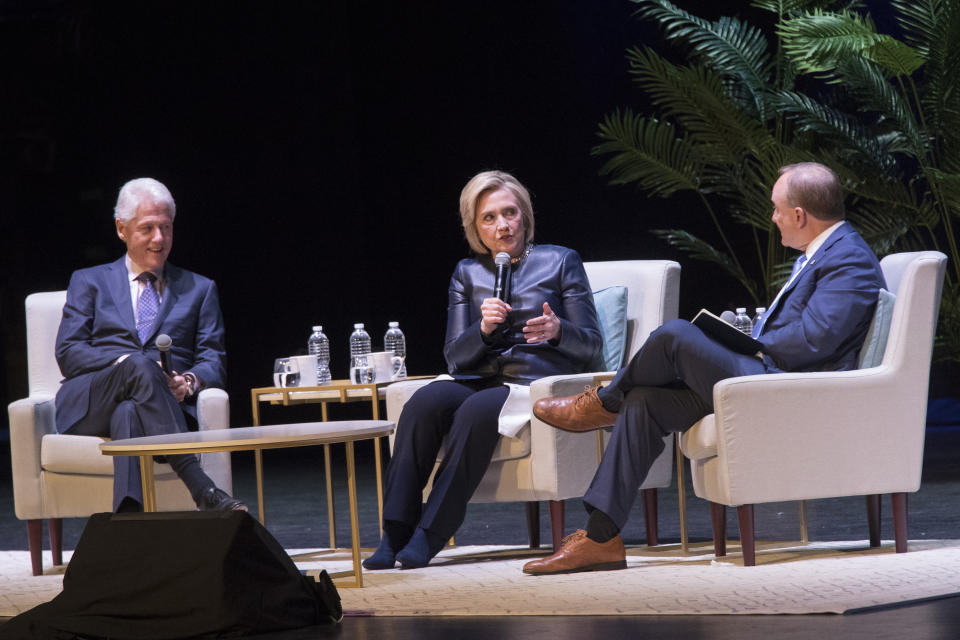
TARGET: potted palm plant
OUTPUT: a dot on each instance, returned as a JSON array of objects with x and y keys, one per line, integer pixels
[{"x": 821, "y": 84}]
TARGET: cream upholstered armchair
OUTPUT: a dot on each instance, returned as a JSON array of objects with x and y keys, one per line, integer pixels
[
  {"x": 65, "y": 476},
  {"x": 544, "y": 463},
  {"x": 800, "y": 436}
]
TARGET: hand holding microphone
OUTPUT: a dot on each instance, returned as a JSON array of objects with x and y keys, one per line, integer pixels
[
  {"x": 178, "y": 384},
  {"x": 493, "y": 311},
  {"x": 163, "y": 346}
]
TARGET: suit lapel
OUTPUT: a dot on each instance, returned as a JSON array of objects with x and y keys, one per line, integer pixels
[
  {"x": 118, "y": 285},
  {"x": 171, "y": 293},
  {"x": 817, "y": 256}
]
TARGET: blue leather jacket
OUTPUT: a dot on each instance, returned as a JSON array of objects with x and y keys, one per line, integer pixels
[{"x": 549, "y": 274}]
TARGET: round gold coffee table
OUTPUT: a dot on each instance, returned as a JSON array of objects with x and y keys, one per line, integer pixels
[{"x": 257, "y": 439}]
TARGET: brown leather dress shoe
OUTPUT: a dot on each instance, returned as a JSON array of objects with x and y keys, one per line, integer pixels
[
  {"x": 580, "y": 553},
  {"x": 582, "y": 412}
]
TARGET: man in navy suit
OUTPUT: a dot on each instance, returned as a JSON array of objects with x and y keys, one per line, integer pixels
[
  {"x": 818, "y": 322},
  {"x": 106, "y": 349}
]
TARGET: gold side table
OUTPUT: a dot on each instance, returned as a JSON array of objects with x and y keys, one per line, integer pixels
[{"x": 337, "y": 392}]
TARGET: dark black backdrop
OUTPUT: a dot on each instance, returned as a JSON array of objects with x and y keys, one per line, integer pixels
[{"x": 316, "y": 151}]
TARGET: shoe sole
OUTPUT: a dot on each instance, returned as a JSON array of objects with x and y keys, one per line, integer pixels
[
  {"x": 605, "y": 566},
  {"x": 571, "y": 429}
]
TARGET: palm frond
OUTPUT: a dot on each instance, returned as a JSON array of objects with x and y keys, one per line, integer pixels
[
  {"x": 816, "y": 40},
  {"x": 895, "y": 57},
  {"x": 876, "y": 93},
  {"x": 648, "y": 152},
  {"x": 948, "y": 186},
  {"x": 881, "y": 226},
  {"x": 786, "y": 7},
  {"x": 696, "y": 99},
  {"x": 729, "y": 46},
  {"x": 832, "y": 127},
  {"x": 922, "y": 22},
  {"x": 702, "y": 250},
  {"x": 933, "y": 28}
]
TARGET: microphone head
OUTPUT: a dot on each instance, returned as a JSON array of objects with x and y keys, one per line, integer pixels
[
  {"x": 501, "y": 259},
  {"x": 727, "y": 316},
  {"x": 163, "y": 342}
]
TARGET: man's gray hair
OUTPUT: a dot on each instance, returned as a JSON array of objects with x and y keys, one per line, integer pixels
[{"x": 139, "y": 190}]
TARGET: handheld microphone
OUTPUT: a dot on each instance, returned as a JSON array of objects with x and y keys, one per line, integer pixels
[
  {"x": 163, "y": 346},
  {"x": 501, "y": 286},
  {"x": 726, "y": 316}
]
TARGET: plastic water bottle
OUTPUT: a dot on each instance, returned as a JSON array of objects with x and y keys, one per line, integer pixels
[
  {"x": 758, "y": 316},
  {"x": 319, "y": 346},
  {"x": 360, "y": 370},
  {"x": 742, "y": 321},
  {"x": 396, "y": 343}
]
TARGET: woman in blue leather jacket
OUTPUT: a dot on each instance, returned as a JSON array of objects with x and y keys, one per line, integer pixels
[{"x": 547, "y": 326}]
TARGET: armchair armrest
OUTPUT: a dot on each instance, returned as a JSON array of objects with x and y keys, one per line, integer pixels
[
  {"x": 213, "y": 412},
  {"x": 30, "y": 419},
  {"x": 213, "y": 409},
  {"x": 576, "y": 452},
  {"x": 793, "y": 448}
]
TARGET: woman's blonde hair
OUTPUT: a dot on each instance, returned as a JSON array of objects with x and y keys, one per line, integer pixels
[{"x": 481, "y": 184}]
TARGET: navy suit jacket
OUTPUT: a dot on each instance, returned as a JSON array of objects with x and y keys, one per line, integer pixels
[
  {"x": 822, "y": 319},
  {"x": 98, "y": 326}
]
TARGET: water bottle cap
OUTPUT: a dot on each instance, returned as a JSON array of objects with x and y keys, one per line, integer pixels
[
  {"x": 359, "y": 325},
  {"x": 393, "y": 324},
  {"x": 761, "y": 309},
  {"x": 741, "y": 309},
  {"x": 318, "y": 327}
]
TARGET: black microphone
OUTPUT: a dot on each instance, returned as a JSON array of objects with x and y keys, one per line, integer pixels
[
  {"x": 163, "y": 346},
  {"x": 501, "y": 286},
  {"x": 726, "y": 316}
]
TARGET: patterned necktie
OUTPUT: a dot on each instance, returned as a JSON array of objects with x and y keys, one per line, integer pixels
[
  {"x": 758, "y": 329},
  {"x": 147, "y": 306}
]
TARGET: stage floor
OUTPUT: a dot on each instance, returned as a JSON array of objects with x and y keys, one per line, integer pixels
[{"x": 292, "y": 480}]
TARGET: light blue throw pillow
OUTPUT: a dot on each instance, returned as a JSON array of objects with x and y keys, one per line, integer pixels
[
  {"x": 871, "y": 353},
  {"x": 611, "y": 304}
]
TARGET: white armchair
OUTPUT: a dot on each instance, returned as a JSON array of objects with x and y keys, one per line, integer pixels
[
  {"x": 800, "y": 436},
  {"x": 544, "y": 463},
  {"x": 65, "y": 476}
]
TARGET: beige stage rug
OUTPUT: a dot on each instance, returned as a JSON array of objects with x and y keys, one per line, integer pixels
[{"x": 472, "y": 581}]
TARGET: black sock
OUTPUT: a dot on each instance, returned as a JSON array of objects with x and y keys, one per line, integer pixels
[
  {"x": 600, "y": 528},
  {"x": 188, "y": 469},
  {"x": 610, "y": 399}
]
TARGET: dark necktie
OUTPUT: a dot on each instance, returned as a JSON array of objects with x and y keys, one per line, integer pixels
[{"x": 147, "y": 306}]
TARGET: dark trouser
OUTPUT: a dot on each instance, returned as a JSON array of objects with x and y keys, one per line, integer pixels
[
  {"x": 666, "y": 387},
  {"x": 132, "y": 399},
  {"x": 468, "y": 414}
]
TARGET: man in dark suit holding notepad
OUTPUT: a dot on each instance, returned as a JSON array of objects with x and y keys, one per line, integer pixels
[{"x": 817, "y": 322}]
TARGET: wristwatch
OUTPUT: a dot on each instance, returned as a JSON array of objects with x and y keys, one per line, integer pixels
[{"x": 191, "y": 383}]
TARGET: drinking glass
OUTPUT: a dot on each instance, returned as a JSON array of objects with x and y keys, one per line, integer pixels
[
  {"x": 286, "y": 372},
  {"x": 360, "y": 370}
]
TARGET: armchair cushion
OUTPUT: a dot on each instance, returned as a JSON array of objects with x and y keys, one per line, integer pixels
[
  {"x": 699, "y": 442},
  {"x": 871, "y": 354},
  {"x": 74, "y": 454},
  {"x": 611, "y": 304}
]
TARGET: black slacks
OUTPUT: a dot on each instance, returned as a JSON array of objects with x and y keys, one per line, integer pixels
[
  {"x": 128, "y": 400},
  {"x": 666, "y": 387},
  {"x": 467, "y": 413}
]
